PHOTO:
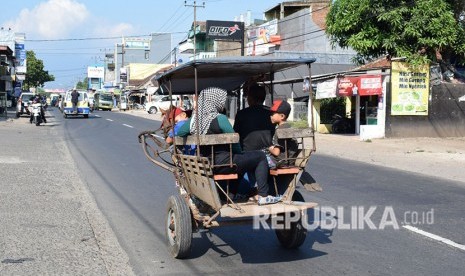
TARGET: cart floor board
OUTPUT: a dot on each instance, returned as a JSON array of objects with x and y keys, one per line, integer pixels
[{"x": 251, "y": 209}]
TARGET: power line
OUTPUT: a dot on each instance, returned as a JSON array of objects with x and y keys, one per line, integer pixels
[
  {"x": 93, "y": 38},
  {"x": 166, "y": 22}
]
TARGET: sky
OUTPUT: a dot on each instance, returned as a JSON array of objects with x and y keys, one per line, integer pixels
[{"x": 63, "y": 33}]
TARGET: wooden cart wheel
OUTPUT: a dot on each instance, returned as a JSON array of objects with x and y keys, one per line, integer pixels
[
  {"x": 296, "y": 234},
  {"x": 178, "y": 227}
]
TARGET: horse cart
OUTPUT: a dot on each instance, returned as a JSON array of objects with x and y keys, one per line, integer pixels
[{"x": 204, "y": 200}]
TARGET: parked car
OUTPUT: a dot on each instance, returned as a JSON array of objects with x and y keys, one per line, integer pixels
[
  {"x": 161, "y": 102},
  {"x": 22, "y": 106}
]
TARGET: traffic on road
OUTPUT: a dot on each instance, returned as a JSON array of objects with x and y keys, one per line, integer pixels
[{"x": 395, "y": 222}]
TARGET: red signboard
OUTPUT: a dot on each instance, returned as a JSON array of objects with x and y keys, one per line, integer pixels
[
  {"x": 370, "y": 85},
  {"x": 365, "y": 85},
  {"x": 345, "y": 86}
]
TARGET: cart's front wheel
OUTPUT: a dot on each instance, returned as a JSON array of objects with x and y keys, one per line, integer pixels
[
  {"x": 294, "y": 236},
  {"x": 178, "y": 227}
]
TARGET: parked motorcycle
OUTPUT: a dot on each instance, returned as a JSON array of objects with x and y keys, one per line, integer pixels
[{"x": 342, "y": 124}]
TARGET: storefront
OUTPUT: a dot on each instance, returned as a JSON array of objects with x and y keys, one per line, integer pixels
[{"x": 364, "y": 96}]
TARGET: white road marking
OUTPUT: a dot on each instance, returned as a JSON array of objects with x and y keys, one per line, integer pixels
[
  {"x": 97, "y": 116},
  {"x": 128, "y": 125},
  {"x": 110, "y": 120},
  {"x": 434, "y": 237}
]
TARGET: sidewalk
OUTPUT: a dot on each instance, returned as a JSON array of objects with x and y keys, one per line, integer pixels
[
  {"x": 50, "y": 223},
  {"x": 438, "y": 157}
]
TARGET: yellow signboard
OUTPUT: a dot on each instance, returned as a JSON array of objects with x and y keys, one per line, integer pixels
[{"x": 410, "y": 89}]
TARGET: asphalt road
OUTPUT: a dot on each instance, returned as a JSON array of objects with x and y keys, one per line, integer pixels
[{"x": 132, "y": 194}]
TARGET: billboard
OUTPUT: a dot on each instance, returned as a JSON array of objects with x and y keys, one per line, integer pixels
[
  {"x": 20, "y": 58},
  {"x": 263, "y": 38},
  {"x": 410, "y": 89},
  {"x": 226, "y": 30},
  {"x": 97, "y": 72},
  {"x": 137, "y": 43},
  {"x": 7, "y": 38}
]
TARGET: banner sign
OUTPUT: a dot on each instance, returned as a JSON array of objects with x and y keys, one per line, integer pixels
[
  {"x": 227, "y": 30},
  {"x": 326, "y": 89},
  {"x": 370, "y": 85},
  {"x": 410, "y": 89},
  {"x": 266, "y": 29},
  {"x": 97, "y": 72},
  {"x": 347, "y": 86},
  {"x": 137, "y": 43}
]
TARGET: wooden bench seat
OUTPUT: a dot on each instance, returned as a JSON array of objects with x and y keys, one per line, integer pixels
[
  {"x": 231, "y": 176},
  {"x": 286, "y": 170}
]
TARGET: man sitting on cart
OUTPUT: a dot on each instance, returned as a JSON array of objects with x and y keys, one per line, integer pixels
[{"x": 209, "y": 120}]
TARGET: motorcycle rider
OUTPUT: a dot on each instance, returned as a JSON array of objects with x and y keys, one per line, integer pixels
[{"x": 37, "y": 99}]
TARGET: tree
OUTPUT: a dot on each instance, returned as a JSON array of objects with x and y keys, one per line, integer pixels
[
  {"x": 82, "y": 84},
  {"x": 36, "y": 75},
  {"x": 419, "y": 30}
]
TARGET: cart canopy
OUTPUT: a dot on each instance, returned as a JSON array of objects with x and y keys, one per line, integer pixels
[{"x": 226, "y": 73}]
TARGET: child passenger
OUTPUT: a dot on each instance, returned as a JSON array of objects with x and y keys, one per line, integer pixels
[
  {"x": 180, "y": 118},
  {"x": 280, "y": 112}
]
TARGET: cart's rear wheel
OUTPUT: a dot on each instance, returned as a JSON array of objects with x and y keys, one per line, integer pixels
[
  {"x": 295, "y": 235},
  {"x": 178, "y": 227}
]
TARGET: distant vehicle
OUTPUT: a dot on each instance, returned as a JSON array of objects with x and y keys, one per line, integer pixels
[
  {"x": 82, "y": 106},
  {"x": 123, "y": 103},
  {"x": 91, "y": 102},
  {"x": 22, "y": 106},
  {"x": 103, "y": 101},
  {"x": 54, "y": 99},
  {"x": 161, "y": 102}
]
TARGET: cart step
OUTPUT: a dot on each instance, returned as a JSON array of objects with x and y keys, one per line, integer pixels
[{"x": 251, "y": 209}]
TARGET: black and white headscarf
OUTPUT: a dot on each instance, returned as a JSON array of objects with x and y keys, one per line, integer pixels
[{"x": 211, "y": 101}]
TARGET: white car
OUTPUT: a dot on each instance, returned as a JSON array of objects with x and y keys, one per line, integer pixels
[
  {"x": 161, "y": 102},
  {"x": 22, "y": 106}
]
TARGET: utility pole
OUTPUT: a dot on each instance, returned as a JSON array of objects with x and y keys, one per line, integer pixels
[
  {"x": 122, "y": 53},
  {"x": 195, "y": 6},
  {"x": 122, "y": 59}
]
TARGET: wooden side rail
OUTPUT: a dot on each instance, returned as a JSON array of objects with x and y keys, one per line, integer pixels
[
  {"x": 208, "y": 140},
  {"x": 301, "y": 156},
  {"x": 286, "y": 133}
]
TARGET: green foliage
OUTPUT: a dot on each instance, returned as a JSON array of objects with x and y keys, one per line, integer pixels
[
  {"x": 299, "y": 124},
  {"x": 36, "y": 75},
  {"x": 331, "y": 106},
  {"x": 82, "y": 84},
  {"x": 416, "y": 30}
]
